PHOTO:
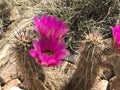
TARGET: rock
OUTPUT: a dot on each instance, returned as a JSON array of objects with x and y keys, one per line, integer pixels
[
  {"x": 2, "y": 83},
  {"x": 15, "y": 88},
  {"x": 12, "y": 83},
  {"x": 106, "y": 71},
  {"x": 72, "y": 58},
  {"x": 102, "y": 85},
  {"x": 9, "y": 71},
  {"x": 114, "y": 83}
]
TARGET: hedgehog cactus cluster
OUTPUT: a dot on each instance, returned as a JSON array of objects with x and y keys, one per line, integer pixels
[
  {"x": 33, "y": 48},
  {"x": 49, "y": 48}
]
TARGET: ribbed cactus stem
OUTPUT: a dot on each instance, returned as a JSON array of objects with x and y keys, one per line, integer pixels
[
  {"x": 31, "y": 74},
  {"x": 87, "y": 69}
]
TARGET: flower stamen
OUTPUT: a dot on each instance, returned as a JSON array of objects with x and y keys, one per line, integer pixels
[{"x": 49, "y": 52}]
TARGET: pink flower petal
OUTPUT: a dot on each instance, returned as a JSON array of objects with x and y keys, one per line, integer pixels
[
  {"x": 116, "y": 35},
  {"x": 33, "y": 53},
  {"x": 36, "y": 45},
  {"x": 50, "y": 26},
  {"x": 36, "y": 21}
]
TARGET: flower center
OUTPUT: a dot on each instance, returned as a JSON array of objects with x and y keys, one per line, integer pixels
[{"x": 49, "y": 52}]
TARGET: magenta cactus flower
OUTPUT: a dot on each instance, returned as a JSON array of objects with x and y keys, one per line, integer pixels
[
  {"x": 50, "y": 26},
  {"x": 116, "y": 35},
  {"x": 49, "y": 51}
]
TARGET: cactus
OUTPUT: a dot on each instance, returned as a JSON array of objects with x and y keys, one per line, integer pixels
[
  {"x": 88, "y": 63},
  {"x": 30, "y": 73}
]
